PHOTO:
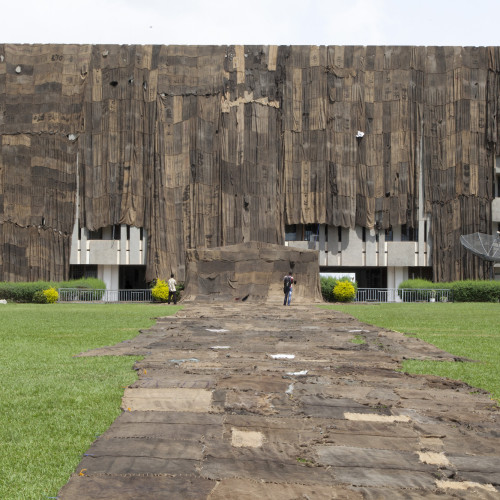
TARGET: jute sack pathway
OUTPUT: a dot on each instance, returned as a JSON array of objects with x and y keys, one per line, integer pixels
[{"x": 245, "y": 401}]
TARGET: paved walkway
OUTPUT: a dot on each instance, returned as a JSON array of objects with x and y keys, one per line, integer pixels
[{"x": 248, "y": 401}]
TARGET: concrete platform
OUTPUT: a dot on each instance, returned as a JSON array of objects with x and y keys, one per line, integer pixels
[{"x": 246, "y": 400}]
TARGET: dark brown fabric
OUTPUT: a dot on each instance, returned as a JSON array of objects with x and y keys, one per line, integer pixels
[
  {"x": 250, "y": 271},
  {"x": 206, "y": 146}
]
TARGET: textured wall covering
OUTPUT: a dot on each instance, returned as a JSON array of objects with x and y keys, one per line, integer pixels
[
  {"x": 253, "y": 270},
  {"x": 206, "y": 146}
]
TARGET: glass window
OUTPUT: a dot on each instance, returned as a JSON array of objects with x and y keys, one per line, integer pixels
[
  {"x": 409, "y": 233},
  {"x": 311, "y": 232},
  {"x": 82, "y": 271},
  {"x": 95, "y": 235},
  {"x": 116, "y": 233},
  {"x": 291, "y": 232}
]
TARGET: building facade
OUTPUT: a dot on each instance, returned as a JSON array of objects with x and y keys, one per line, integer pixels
[{"x": 115, "y": 160}]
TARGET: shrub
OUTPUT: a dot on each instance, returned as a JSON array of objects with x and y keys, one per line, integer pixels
[
  {"x": 84, "y": 283},
  {"x": 476, "y": 291},
  {"x": 39, "y": 297},
  {"x": 160, "y": 291},
  {"x": 344, "y": 291},
  {"x": 24, "y": 292},
  {"x": 463, "y": 291},
  {"x": 328, "y": 284},
  {"x": 51, "y": 295},
  {"x": 21, "y": 292},
  {"x": 419, "y": 284}
]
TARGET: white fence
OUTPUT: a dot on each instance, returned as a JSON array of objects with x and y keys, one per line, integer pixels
[
  {"x": 403, "y": 295},
  {"x": 81, "y": 295},
  {"x": 362, "y": 295}
]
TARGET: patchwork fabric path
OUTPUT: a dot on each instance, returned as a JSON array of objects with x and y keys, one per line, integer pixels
[{"x": 250, "y": 401}]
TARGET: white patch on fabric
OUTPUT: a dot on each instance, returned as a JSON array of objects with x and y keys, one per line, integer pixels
[
  {"x": 246, "y": 439},
  {"x": 373, "y": 417}
]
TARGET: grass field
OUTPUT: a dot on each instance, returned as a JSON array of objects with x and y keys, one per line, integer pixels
[
  {"x": 54, "y": 405},
  {"x": 471, "y": 330}
]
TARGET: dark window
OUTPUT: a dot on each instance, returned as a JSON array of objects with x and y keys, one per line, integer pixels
[
  {"x": 340, "y": 234},
  {"x": 96, "y": 235},
  {"x": 409, "y": 233},
  {"x": 364, "y": 234},
  {"x": 311, "y": 232},
  {"x": 291, "y": 232},
  {"x": 424, "y": 273},
  {"x": 116, "y": 232},
  {"x": 388, "y": 234},
  {"x": 77, "y": 272}
]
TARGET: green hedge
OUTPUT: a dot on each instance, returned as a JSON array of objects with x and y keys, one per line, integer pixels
[
  {"x": 476, "y": 291},
  {"x": 328, "y": 284},
  {"x": 26, "y": 292},
  {"x": 422, "y": 284},
  {"x": 463, "y": 291}
]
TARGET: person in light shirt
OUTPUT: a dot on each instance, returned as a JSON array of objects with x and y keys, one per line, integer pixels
[{"x": 172, "y": 289}]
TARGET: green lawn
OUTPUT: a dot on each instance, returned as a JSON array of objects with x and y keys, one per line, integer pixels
[
  {"x": 471, "y": 330},
  {"x": 54, "y": 405}
]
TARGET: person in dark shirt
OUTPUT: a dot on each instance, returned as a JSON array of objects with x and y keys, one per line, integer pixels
[{"x": 288, "y": 282}]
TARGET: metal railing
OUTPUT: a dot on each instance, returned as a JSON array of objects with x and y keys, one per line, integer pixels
[
  {"x": 82, "y": 295},
  {"x": 376, "y": 295},
  {"x": 403, "y": 295}
]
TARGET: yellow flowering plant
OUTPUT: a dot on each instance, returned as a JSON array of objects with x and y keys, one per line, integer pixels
[
  {"x": 160, "y": 291},
  {"x": 344, "y": 291},
  {"x": 51, "y": 295}
]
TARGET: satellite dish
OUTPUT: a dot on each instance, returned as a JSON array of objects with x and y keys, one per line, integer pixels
[{"x": 486, "y": 246}]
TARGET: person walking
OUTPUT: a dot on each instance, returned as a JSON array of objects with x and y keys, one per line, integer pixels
[
  {"x": 172, "y": 291},
  {"x": 287, "y": 288}
]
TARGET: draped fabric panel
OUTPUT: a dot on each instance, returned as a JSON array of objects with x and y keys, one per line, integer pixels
[{"x": 206, "y": 146}]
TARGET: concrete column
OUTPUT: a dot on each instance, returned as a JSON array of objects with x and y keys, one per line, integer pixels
[
  {"x": 322, "y": 246},
  {"x": 123, "y": 245},
  {"x": 421, "y": 243},
  {"x": 333, "y": 246},
  {"x": 111, "y": 277},
  {"x": 395, "y": 276},
  {"x": 352, "y": 246},
  {"x": 76, "y": 254},
  {"x": 382, "y": 256},
  {"x": 371, "y": 248},
  {"x": 135, "y": 246},
  {"x": 84, "y": 253},
  {"x": 145, "y": 248},
  {"x": 75, "y": 246}
]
